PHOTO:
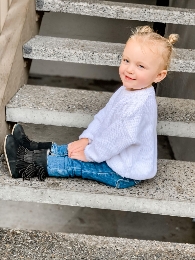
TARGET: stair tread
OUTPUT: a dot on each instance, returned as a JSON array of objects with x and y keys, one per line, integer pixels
[
  {"x": 118, "y": 10},
  {"x": 76, "y": 108},
  {"x": 41, "y": 244},
  {"x": 171, "y": 192},
  {"x": 93, "y": 52}
]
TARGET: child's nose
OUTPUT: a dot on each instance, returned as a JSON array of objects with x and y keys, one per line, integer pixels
[{"x": 130, "y": 68}]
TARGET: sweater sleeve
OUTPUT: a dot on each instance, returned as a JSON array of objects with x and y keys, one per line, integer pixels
[
  {"x": 95, "y": 125},
  {"x": 122, "y": 133}
]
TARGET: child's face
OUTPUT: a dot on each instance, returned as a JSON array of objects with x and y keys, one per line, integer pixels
[{"x": 141, "y": 65}]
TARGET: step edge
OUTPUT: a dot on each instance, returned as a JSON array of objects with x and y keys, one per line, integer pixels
[
  {"x": 82, "y": 120},
  {"x": 134, "y": 11},
  {"x": 85, "y": 199}
]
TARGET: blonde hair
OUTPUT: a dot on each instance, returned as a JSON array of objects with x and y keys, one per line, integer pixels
[{"x": 146, "y": 33}]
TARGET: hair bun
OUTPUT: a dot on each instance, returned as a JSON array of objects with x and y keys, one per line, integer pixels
[
  {"x": 173, "y": 38},
  {"x": 144, "y": 29}
]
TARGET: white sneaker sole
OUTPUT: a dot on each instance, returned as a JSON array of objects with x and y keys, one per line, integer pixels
[
  {"x": 13, "y": 129},
  {"x": 6, "y": 156}
]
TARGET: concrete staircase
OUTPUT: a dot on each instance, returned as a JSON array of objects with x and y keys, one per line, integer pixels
[{"x": 171, "y": 192}]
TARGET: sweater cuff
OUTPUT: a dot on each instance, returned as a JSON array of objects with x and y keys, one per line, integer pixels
[
  {"x": 86, "y": 135},
  {"x": 89, "y": 159}
]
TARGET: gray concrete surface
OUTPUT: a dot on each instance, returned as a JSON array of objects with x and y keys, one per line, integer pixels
[
  {"x": 92, "y": 52},
  {"x": 126, "y": 11},
  {"x": 59, "y": 218},
  {"x": 73, "y": 50},
  {"x": 170, "y": 192},
  {"x": 43, "y": 245},
  {"x": 76, "y": 108}
]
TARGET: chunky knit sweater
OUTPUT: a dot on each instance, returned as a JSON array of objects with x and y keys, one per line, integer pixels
[{"x": 123, "y": 134}]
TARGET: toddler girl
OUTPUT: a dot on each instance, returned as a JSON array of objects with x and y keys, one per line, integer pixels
[{"x": 119, "y": 147}]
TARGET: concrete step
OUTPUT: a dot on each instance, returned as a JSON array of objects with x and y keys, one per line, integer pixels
[
  {"x": 76, "y": 108},
  {"x": 93, "y": 52},
  {"x": 171, "y": 192},
  {"x": 44, "y": 245},
  {"x": 118, "y": 10}
]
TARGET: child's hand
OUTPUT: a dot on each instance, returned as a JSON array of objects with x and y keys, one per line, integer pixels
[
  {"x": 77, "y": 146},
  {"x": 79, "y": 156}
]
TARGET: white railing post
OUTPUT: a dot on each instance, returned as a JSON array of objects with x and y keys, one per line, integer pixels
[{"x": 4, "y": 6}]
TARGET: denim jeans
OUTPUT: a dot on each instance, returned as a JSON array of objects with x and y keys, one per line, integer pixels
[{"x": 60, "y": 165}]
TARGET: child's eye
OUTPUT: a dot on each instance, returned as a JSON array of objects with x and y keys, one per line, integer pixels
[
  {"x": 125, "y": 60},
  {"x": 141, "y": 66}
]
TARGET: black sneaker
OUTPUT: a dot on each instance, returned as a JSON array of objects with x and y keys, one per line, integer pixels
[{"x": 22, "y": 139}]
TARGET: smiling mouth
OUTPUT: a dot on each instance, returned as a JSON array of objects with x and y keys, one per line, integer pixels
[{"x": 128, "y": 78}]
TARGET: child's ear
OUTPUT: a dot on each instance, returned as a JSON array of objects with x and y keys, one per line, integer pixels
[{"x": 161, "y": 75}]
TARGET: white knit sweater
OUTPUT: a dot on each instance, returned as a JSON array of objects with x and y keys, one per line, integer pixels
[{"x": 123, "y": 134}]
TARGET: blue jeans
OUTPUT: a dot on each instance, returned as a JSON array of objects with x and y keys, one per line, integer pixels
[{"x": 60, "y": 165}]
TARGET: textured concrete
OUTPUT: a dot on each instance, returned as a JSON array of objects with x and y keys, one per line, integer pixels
[
  {"x": 127, "y": 11},
  {"x": 171, "y": 192},
  {"x": 92, "y": 221},
  {"x": 83, "y": 27},
  {"x": 76, "y": 108},
  {"x": 45, "y": 245},
  {"x": 93, "y": 52}
]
